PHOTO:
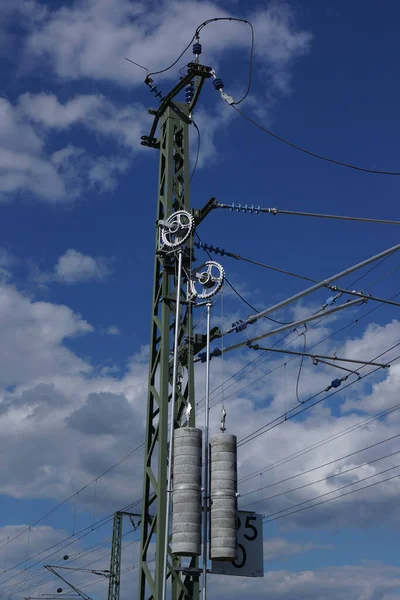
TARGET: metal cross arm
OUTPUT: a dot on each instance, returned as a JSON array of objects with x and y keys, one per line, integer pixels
[
  {"x": 318, "y": 357},
  {"x": 77, "y": 590},
  {"x": 195, "y": 70},
  {"x": 278, "y": 211},
  {"x": 293, "y": 325},
  {"x": 317, "y": 286},
  {"x": 335, "y": 288}
]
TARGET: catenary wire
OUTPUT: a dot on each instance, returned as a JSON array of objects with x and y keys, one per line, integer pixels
[
  {"x": 314, "y": 154},
  {"x": 197, "y": 32},
  {"x": 242, "y": 442},
  {"x": 268, "y": 357},
  {"x": 18, "y": 533},
  {"x": 267, "y": 518},
  {"x": 78, "y": 555},
  {"x": 368, "y": 271},
  {"x": 278, "y": 211},
  {"x": 85, "y": 531},
  {"x": 327, "y": 464},
  {"x": 301, "y": 365},
  {"x": 72, "y": 559},
  {"x": 251, "y": 56},
  {"x": 49, "y": 580},
  {"x": 255, "y": 262},
  {"x": 238, "y": 294},
  {"x": 275, "y": 422},
  {"x": 314, "y": 325},
  {"x": 322, "y": 442},
  {"x": 129, "y": 455},
  {"x": 327, "y": 478}
]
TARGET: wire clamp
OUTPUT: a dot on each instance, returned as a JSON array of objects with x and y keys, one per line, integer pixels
[
  {"x": 227, "y": 98},
  {"x": 203, "y": 355},
  {"x": 223, "y": 418}
]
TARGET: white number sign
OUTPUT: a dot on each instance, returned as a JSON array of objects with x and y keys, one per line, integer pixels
[{"x": 250, "y": 559}]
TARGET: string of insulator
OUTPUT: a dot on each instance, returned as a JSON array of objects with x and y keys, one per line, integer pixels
[
  {"x": 218, "y": 84},
  {"x": 189, "y": 92},
  {"x": 197, "y": 49},
  {"x": 158, "y": 93},
  {"x": 244, "y": 208},
  {"x": 214, "y": 249}
]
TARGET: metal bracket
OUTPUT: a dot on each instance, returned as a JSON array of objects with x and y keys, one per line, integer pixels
[
  {"x": 151, "y": 142},
  {"x": 201, "y": 213}
]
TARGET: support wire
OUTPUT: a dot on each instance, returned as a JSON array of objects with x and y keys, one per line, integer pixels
[{"x": 172, "y": 421}]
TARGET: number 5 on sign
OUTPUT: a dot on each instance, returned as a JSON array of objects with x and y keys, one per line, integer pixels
[{"x": 250, "y": 557}]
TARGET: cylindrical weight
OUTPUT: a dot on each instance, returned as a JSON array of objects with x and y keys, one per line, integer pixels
[
  {"x": 223, "y": 492},
  {"x": 186, "y": 497}
]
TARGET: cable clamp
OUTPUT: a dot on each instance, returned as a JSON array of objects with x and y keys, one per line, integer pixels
[
  {"x": 223, "y": 418},
  {"x": 203, "y": 355},
  {"x": 227, "y": 98},
  {"x": 253, "y": 346}
]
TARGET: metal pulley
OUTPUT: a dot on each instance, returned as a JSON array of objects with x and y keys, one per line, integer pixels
[
  {"x": 207, "y": 280},
  {"x": 176, "y": 229}
]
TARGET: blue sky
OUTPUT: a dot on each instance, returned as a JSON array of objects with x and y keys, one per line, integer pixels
[{"x": 78, "y": 205}]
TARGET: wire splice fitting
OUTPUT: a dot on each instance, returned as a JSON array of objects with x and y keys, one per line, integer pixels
[
  {"x": 253, "y": 346},
  {"x": 336, "y": 383},
  {"x": 197, "y": 48},
  {"x": 218, "y": 84}
]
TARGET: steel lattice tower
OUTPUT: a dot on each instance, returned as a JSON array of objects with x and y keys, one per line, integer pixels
[{"x": 173, "y": 195}]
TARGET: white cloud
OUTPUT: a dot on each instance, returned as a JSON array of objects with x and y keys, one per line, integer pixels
[
  {"x": 113, "y": 330},
  {"x": 62, "y": 175},
  {"x": 124, "y": 124},
  {"x": 281, "y": 548},
  {"x": 74, "y": 267},
  {"x": 89, "y": 40},
  {"x": 367, "y": 581},
  {"x": 79, "y": 421},
  {"x": 32, "y": 335}
]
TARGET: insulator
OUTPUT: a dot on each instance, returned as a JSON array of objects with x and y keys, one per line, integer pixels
[
  {"x": 218, "y": 84},
  {"x": 189, "y": 93},
  {"x": 197, "y": 48},
  {"x": 186, "y": 496},
  {"x": 336, "y": 383},
  {"x": 239, "y": 325},
  {"x": 223, "y": 493}
]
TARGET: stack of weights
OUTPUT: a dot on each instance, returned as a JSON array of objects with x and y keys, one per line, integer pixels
[
  {"x": 223, "y": 458},
  {"x": 186, "y": 497}
]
